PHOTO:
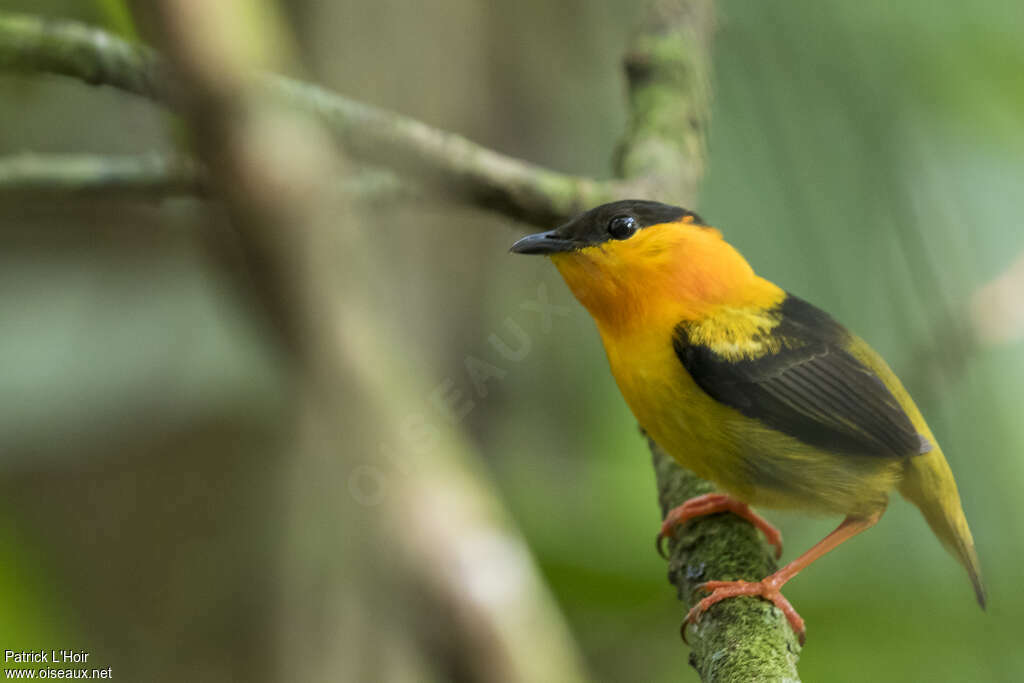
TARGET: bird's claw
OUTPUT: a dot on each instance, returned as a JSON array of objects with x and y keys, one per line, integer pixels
[
  {"x": 659, "y": 544},
  {"x": 721, "y": 590},
  {"x": 713, "y": 503}
]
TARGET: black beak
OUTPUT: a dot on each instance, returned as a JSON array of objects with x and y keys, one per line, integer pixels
[{"x": 549, "y": 242}]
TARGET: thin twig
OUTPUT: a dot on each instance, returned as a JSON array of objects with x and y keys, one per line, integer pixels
[
  {"x": 150, "y": 176},
  {"x": 164, "y": 176}
]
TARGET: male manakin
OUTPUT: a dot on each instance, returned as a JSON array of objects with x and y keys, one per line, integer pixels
[{"x": 750, "y": 387}]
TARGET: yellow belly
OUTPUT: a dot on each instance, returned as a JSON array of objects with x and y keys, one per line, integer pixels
[{"x": 740, "y": 455}]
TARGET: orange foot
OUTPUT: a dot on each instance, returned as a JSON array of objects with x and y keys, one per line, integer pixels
[
  {"x": 709, "y": 504},
  {"x": 767, "y": 588}
]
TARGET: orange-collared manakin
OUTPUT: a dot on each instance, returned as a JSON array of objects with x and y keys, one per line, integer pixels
[{"x": 749, "y": 386}]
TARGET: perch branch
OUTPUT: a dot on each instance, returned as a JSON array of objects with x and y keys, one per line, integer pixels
[
  {"x": 743, "y": 639},
  {"x": 737, "y": 640}
]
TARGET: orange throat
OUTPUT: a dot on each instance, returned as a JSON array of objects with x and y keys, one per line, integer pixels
[{"x": 662, "y": 276}]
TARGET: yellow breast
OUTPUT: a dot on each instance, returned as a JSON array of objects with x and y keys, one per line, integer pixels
[{"x": 702, "y": 434}]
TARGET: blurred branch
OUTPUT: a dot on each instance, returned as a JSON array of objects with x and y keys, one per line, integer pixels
[
  {"x": 668, "y": 73},
  {"x": 159, "y": 176},
  {"x": 98, "y": 57},
  {"x": 368, "y": 588},
  {"x": 449, "y": 162},
  {"x": 150, "y": 176}
]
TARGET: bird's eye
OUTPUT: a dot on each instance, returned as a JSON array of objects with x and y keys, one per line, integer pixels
[{"x": 622, "y": 227}]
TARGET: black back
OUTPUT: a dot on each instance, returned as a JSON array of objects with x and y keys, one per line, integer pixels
[{"x": 811, "y": 388}]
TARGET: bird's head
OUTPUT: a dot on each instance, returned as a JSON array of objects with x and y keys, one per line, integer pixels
[{"x": 628, "y": 260}]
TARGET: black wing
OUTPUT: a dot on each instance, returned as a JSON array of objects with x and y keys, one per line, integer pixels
[{"x": 811, "y": 388}]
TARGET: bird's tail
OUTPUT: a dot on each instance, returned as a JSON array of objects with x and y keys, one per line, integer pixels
[{"x": 928, "y": 483}]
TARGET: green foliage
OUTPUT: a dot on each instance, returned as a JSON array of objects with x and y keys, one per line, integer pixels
[{"x": 118, "y": 18}]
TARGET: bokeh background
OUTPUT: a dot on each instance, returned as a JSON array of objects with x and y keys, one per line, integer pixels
[{"x": 867, "y": 156}]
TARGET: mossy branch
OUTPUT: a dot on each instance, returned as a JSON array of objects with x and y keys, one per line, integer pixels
[
  {"x": 661, "y": 157},
  {"x": 452, "y": 164},
  {"x": 744, "y": 639}
]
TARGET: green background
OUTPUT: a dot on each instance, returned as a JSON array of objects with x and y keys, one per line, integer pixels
[{"x": 867, "y": 156}]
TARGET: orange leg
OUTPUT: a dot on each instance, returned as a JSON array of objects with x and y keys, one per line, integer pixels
[
  {"x": 709, "y": 504},
  {"x": 769, "y": 587}
]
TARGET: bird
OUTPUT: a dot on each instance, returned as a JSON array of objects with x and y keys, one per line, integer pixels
[{"x": 750, "y": 387}]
